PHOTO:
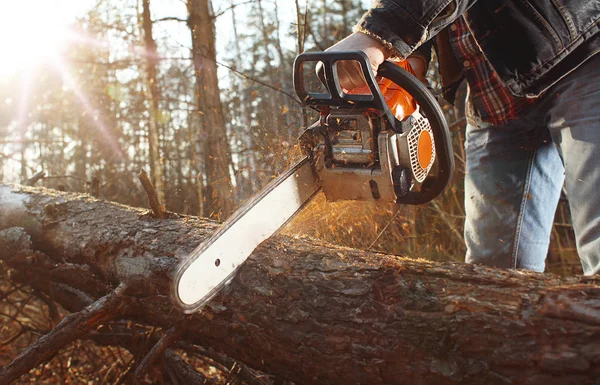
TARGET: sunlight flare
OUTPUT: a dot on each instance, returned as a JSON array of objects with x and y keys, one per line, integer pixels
[
  {"x": 92, "y": 112},
  {"x": 28, "y": 39}
]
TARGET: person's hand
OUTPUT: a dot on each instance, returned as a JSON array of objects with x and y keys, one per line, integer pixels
[
  {"x": 349, "y": 72},
  {"x": 419, "y": 67}
]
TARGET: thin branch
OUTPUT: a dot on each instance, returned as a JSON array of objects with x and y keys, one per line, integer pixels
[
  {"x": 385, "y": 228},
  {"x": 8, "y": 293},
  {"x": 95, "y": 188},
  {"x": 126, "y": 373},
  {"x": 53, "y": 314},
  {"x": 232, "y": 7},
  {"x": 168, "y": 339},
  {"x": 171, "y": 18},
  {"x": 294, "y": 99},
  {"x": 457, "y": 125},
  {"x": 34, "y": 179},
  {"x": 157, "y": 208},
  {"x": 235, "y": 368},
  {"x": 72, "y": 327},
  {"x": 319, "y": 45},
  {"x": 181, "y": 372},
  {"x": 66, "y": 177},
  {"x": 299, "y": 28},
  {"x": 23, "y": 329},
  {"x": 124, "y": 63},
  {"x": 122, "y": 176},
  {"x": 305, "y": 23}
]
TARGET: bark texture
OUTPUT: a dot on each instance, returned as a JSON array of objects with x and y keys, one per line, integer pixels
[
  {"x": 212, "y": 136},
  {"x": 306, "y": 311},
  {"x": 151, "y": 79}
]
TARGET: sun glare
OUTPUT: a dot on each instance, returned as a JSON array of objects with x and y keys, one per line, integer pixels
[{"x": 31, "y": 33}]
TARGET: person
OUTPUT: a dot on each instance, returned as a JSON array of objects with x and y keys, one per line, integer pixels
[{"x": 533, "y": 119}]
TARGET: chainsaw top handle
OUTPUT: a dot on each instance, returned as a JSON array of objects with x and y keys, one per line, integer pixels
[{"x": 433, "y": 185}]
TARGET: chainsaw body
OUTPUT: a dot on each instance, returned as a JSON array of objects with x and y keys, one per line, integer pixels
[{"x": 387, "y": 142}]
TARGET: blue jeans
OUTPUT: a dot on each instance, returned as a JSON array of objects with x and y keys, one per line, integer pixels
[{"x": 515, "y": 173}]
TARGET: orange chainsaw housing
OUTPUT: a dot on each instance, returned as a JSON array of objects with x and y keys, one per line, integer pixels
[
  {"x": 402, "y": 105},
  {"x": 400, "y": 102}
]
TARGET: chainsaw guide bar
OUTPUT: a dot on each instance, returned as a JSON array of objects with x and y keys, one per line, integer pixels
[{"x": 213, "y": 264}]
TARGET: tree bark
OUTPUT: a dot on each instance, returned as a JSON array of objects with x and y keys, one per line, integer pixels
[
  {"x": 248, "y": 158},
  {"x": 306, "y": 311},
  {"x": 212, "y": 136},
  {"x": 151, "y": 59}
]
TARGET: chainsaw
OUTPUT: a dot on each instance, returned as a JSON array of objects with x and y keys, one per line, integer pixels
[{"x": 387, "y": 142}]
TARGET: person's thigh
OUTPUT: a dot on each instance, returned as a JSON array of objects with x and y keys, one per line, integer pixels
[
  {"x": 574, "y": 120},
  {"x": 513, "y": 181}
]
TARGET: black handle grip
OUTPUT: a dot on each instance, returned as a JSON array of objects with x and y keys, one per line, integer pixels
[
  {"x": 432, "y": 187},
  {"x": 335, "y": 97}
]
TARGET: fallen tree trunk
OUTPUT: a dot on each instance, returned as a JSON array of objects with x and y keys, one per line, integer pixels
[{"x": 300, "y": 309}]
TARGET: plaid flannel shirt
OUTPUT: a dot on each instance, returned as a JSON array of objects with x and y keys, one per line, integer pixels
[{"x": 490, "y": 97}]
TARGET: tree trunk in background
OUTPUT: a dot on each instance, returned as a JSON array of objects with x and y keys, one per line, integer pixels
[
  {"x": 151, "y": 55},
  {"x": 266, "y": 41},
  {"x": 274, "y": 99},
  {"x": 346, "y": 29},
  {"x": 303, "y": 310},
  {"x": 196, "y": 166},
  {"x": 81, "y": 157},
  {"x": 212, "y": 134},
  {"x": 301, "y": 38},
  {"x": 23, "y": 151},
  {"x": 325, "y": 35},
  {"x": 249, "y": 154},
  {"x": 285, "y": 83},
  {"x": 300, "y": 27}
]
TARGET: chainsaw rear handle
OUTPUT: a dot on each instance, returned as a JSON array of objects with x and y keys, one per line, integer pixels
[{"x": 432, "y": 186}]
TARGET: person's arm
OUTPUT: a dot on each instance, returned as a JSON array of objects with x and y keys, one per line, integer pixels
[
  {"x": 395, "y": 28},
  {"x": 419, "y": 60},
  {"x": 401, "y": 26},
  {"x": 349, "y": 72}
]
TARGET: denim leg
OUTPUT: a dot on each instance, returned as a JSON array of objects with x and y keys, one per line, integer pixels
[
  {"x": 513, "y": 180},
  {"x": 573, "y": 117}
]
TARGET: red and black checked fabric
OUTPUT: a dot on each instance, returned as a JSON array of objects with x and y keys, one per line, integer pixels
[{"x": 490, "y": 97}]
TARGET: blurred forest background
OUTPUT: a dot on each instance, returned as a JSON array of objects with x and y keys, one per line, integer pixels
[{"x": 199, "y": 95}]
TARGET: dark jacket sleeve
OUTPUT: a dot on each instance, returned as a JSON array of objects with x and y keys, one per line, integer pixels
[
  {"x": 424, "y": 52},
  {"x": 404, "y": 25}
]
